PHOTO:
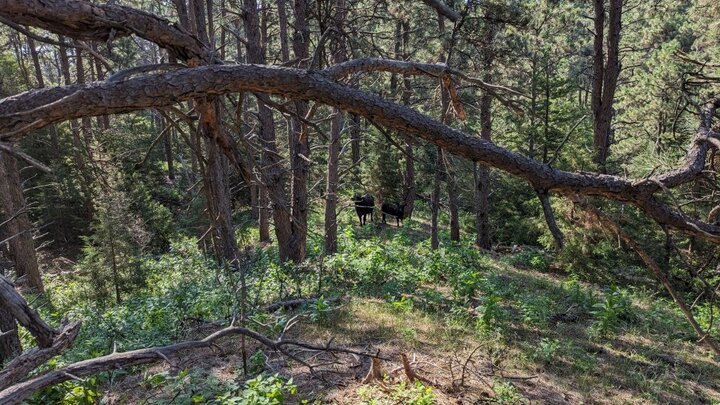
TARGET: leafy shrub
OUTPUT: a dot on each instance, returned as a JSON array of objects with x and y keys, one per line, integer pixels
[
  {"x": 490, "y": 314},
  {"x": 546, "y": 349},
  {"x": 261, "y": 390},
  {"x": 68, "y": 393},
  {"x": 577, "y": 294},
  {"x": 536, "y": 309},
  {"x": 612, "y": 311}
]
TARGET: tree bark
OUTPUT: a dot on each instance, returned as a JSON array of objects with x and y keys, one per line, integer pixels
[
  {"x": 272, "y": 189},
  {"x": 40, "y": 84},
  {"x": 605, "y": 77},
  {"x": 25, "y": 316},
  {"x": 78, "y": 150},
  {"x": 435, "y": 201},
  {"x": 10, "y": 345},
  {"x": 557, "y": 234},
  {"x": 409, "y": 186},
  {"x": 299, "y": 143},
  {"x": 339, "y": 52},
  {"x": 22, "y": 246},
  {"x": 482, "y": 172}
]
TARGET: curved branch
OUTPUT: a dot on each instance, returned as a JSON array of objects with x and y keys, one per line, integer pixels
[
  {"x": 38, "y": 108},
  {"x": 439, "y": 70},
  {"x": 18, "y": 392},
  {"x": 103, "y": 22}
]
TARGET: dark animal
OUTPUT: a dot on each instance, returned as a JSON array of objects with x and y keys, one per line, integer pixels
[
  {"x": 364, "y": 206},
  {"x": 394, "y": 210}
]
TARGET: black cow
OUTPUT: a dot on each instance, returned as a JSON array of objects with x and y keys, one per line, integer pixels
[
  {"x": 364, "y": 206},
  {"x": 394, "y": 210}
]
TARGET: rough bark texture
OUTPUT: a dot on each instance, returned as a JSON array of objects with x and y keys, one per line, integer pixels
[
  {"x": 10, "y": 345},
  {"x": 482, "y": 172},
  {"x": 339, "y": 53},
  {"x": 273, "y": 189},
  {"x": 25, "y": 316},
  {"x": 605, "y": 76},
  {"x": 22, "y": 245},
  {"x": 22, "y": 365},
  {"x": 103, "y": 22},
  {"x": 299, "y": 143},
  {"x": 409, "y": 186}
]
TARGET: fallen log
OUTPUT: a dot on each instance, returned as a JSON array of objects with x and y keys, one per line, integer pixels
[
  {"x": 17, "y": 393},
  {"x": 22, "y": 365}
]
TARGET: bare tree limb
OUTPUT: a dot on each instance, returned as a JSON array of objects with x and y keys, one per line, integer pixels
[
  {"x": 38, "y": 108},
  {"x": 19, "y": 392},
  {"x": 22, "y": 365},
  {"x": 26, "y": 316}
]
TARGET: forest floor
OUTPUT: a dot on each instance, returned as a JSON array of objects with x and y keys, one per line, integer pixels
[{"x": 526, "y": 340}]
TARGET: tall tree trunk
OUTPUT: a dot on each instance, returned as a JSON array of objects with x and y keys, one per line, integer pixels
[
  {"x": 481, "y": 173},
  {"x": 167, "y": 146},
  {"x": 453, "y": 203},
  {"x": 78, "y": 148},
  {"x": 85, "y": 123},
  {"x": 283, "y": 22},
  {"x": 435, "y": 197},
  {"x": 336, "y": 126},
  {"x": 453, "y": 199},
  {"x": 355, "y": 138},
  {"x": 272, "y": 190},
  {"x": 299, "y": 143},
  {"x": 409, "y": 187},
  {"x": 435, "y": 201},
  {"x": 40, "y": 84},
  {"x": 605, "y": 76},
  {"x": 103, "y": 121},
  {"x": 22, "y": 246},
  {"x": 218, "y": 165}
]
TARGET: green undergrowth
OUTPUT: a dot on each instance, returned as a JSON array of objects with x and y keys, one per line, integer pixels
[{"x": 584, "y": 337}]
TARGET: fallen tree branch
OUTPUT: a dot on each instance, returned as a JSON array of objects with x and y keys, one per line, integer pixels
[
  {"x": 103, "y": 22},
  {"x": 38, "y": 108},
  {"x": 26, "y": 316},
  {"x": 17, "y": 393},
  {"x": 607, "y": 222},
  {"x": 22, "y": 365},
  {"x": 24, "y": 157}
]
